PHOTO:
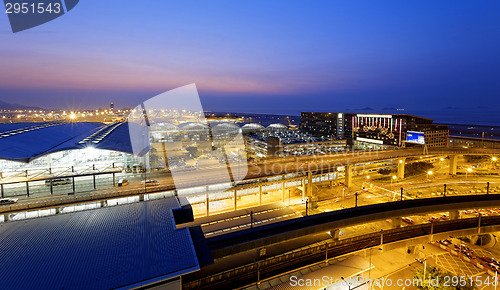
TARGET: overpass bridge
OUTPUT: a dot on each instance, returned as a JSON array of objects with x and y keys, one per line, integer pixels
[
  {"x": 270, "y": 267},
  {"x": 278, "y": 175},
  {"x": 350, "y": 160},
  {"x": 266, "y": 235}
]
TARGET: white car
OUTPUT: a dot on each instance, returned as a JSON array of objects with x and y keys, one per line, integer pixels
[
  {"x": 7, "y": 201},
  {"x": 150, "y": 182}
]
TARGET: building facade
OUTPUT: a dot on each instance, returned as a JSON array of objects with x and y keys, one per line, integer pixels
[
  {"x": 323, "y": 125},
  {"x": 376, "y": 131}
]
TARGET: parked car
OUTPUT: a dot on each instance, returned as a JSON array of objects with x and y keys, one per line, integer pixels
[{"x": 122, "y": 182}]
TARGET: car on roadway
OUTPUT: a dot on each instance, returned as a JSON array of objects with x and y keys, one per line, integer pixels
[
  {"x": 123, "y": 182},
  {"x": 408, "y": 220},
  {"x": 489, "y": 260},
  {"x": 150, "y": 182},
  {"x": 58, "y": 181},
  {"x": 445, "y": 242},
  {"x": 4, "y": 201},
  {"x": 433, "y": 219}
]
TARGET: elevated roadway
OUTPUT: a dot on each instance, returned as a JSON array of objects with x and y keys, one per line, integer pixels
[
  {"x": 268, "y": 267},
  {"x": 331, "y": 221},
  {"x": 256, "y": 171}
]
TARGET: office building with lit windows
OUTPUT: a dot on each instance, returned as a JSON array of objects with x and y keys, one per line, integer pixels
[
  {"x": 323, "y": 125},
  {"x": 377, "y": 131}
]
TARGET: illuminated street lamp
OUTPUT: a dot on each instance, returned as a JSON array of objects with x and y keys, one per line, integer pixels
[
  {"x": 429, "y": 173},
  {"x": 441, "y": 159},
  {"x": 493, "y": 159},
  {"x": 367, "y": 181},
  {"x": 467, "y": 172},
  {"x": 393, "y": 178}
]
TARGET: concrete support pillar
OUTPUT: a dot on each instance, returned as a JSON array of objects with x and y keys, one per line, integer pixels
[
  {"x": 303, "y": 188},
  {"x": 6, "y": 217},
  {"x": 58, "y": 210},
  {"x": 104, "y": 203},
  {"x": 401, "y": 168},
  {"x": 348, "y": 175},
  {"x": 208, "y": 204},
  {"x": 309, "y": 184},
  {"x": 260, "y": 194},
  {"x": 235, "y": 199},
  {"x": 331, "y": 183},
  {"x": 283, "y": 191},
  {"x": 453, "y": 164},
  {"x": 335, "y": 233},
  {"x": 141, "y": 197},
  {"x": 454, "y": 214}
]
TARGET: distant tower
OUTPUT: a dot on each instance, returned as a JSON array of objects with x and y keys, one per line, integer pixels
[{"x": 112, "y": 106}]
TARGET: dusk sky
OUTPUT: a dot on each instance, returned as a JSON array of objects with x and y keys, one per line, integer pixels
[{"x": 259, "y": 56}]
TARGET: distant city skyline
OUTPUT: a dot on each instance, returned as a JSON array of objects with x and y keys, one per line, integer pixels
[{"x": 282, "y": 57}]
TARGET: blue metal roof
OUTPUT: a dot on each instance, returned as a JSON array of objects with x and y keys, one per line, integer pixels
[
  {"x": 121, "y": 246},
  {"x": 27, "y": 141}
]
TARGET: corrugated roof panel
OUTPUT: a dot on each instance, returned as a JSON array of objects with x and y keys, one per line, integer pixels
[
  {"x": 25, "y": 146},
  {"x": 96, "y": 249}
]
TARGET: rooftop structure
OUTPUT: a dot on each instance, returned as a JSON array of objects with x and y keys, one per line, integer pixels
[
  {"x": 113, "y": 247},
  {"x": 24, "y": 142}
]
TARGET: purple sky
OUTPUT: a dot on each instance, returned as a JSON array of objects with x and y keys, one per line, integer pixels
[{"x": 259, "y": 56}]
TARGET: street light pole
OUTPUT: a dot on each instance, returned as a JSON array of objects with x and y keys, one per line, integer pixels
[
  {"x": 370, "y": 269},
  {"x": 348, "y": 284}
]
